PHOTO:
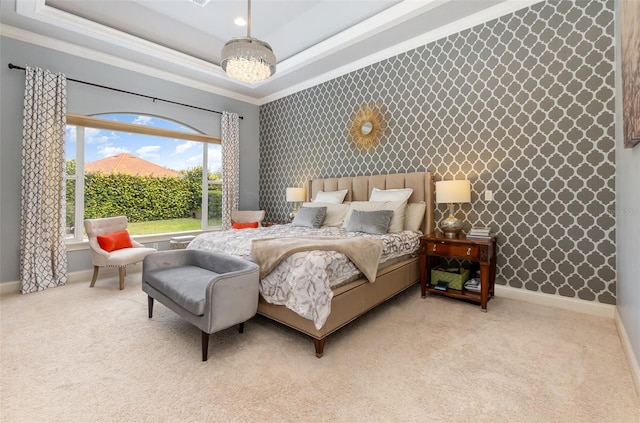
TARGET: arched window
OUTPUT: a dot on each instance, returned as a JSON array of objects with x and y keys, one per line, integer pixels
[{"x": 164, "y": 176}]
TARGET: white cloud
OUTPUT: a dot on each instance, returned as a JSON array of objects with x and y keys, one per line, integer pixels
[
  {"x": 110, "y": 150},
  {"x": 71, "y": 133},
  {"x": 215, "y": 159},
  {"x": 149, "y": 152},
  {"x": 186, "y": 163},
  {"x": 181, "y": 148},
  {"x": 98, "y": 136},
  {"x": 148, "y": 149},
  {"x": 143, "y": 120}
]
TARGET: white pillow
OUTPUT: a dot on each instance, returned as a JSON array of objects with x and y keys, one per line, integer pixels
[
  {"x": 398, "y": 207},
  {"x": 336, "y": 197},
  {"x": 413, "y": 216},
  {"x": 336, "y": 213},
  {"x": 399, "y": 194}
]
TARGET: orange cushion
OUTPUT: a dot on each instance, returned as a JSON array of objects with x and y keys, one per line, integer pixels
[
  {"x": 238, "y": 225},
  {"x": 115, "y": 241}
]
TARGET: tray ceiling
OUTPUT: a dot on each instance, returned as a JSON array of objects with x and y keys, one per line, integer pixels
[{"x": 180, "y": 40}]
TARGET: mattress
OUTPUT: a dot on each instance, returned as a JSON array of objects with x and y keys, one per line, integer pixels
[{"x": 303, "y": 282}]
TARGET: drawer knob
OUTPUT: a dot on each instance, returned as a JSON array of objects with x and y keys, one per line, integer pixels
[
  {"x": 434, "y": 247},
  {"x": 469, "y": 251}
]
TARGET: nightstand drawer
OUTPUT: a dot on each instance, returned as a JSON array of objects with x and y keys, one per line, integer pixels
[{"x": 452, "y": 250}]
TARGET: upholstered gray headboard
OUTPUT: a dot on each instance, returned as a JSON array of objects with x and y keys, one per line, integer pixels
[{"x": 359, "y": 189}]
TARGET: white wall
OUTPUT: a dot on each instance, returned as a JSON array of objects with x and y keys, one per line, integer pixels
[
  {"x": 628, "y": 221},
  {"x": 86, "y": 100}
]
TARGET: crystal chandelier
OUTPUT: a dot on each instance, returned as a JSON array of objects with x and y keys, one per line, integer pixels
[{"x": 248, "y": 59}]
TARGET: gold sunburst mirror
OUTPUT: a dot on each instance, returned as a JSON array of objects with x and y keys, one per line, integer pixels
[{"x": 367, "y": 126}]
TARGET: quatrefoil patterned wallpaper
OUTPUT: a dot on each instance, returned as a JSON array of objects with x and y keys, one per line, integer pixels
[{"x": 522, "y": 105}]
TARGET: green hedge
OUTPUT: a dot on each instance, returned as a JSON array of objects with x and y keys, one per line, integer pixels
[
  {"x": 215, "y": 203},
  {"x": 140, "y": 198},
  {"x": 144, "y": 198}
]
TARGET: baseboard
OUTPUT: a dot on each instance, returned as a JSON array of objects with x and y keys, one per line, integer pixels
[
  {"x": 83, "y": 276},
  {"x": 628, "y": 351},
  {"x": 572, "y": 304}
]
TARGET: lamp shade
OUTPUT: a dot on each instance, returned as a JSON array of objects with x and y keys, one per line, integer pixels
[
  {"x": 295, "y": 194},
  {"x": 453, "y": 191}
]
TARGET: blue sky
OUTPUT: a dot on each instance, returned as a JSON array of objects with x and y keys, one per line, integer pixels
[{"x": 171, "y": 153}]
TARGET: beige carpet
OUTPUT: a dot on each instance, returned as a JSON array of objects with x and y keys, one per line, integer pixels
[{"x": 75, "y": 354}]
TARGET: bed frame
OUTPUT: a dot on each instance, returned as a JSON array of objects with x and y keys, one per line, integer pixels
[{"x": 356, "y": 298}]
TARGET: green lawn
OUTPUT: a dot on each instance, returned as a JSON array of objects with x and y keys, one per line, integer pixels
[{"x": 167, "y": 226}]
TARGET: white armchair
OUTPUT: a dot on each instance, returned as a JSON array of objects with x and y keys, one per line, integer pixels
[
  {"x": 117, "y": 258},
  {"x": 244, "y": 216}
]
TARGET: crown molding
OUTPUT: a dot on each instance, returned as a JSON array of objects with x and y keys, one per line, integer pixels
[
  {"x": 39, "y": 11},
  {"x": 478, "y": 18},
  {"x": 107, "y": 59},
  {"x": 36, "y": 9},
  {"x": 380, "y": 22}
]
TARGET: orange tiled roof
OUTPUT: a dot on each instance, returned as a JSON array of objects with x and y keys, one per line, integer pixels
[{"x": 128, "y": 164}]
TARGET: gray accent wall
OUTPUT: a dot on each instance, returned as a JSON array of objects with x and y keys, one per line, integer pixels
[
  {"x": 522, "y": 105},
  {"x": 86, "y": 100}
]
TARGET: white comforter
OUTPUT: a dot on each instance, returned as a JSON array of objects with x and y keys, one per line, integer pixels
[{"x": 303, "y": 281}]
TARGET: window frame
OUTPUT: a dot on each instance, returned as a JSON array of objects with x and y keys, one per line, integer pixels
[{"x": 82, "y": 122}]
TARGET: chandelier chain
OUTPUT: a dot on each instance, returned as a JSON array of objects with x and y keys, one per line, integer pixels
[{"x": 249, "y": 18}]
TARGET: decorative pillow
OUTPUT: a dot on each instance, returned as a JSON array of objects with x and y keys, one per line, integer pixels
[
  {"x": 398, "y": 208},
  {"x": 115, "y": 241},
  {"x": 399, "y": 194},
  {"x": 336, "y": 213},
  {"x": 310, "y": 217},
  {"x": 413, "y": 216},
  {"x": 336, "y": 197},
  {"x": 372, "y": 222},
  {"x": 244, "y": 225}
]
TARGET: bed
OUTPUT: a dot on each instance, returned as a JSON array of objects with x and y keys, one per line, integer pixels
[{"x": 354, "y": 296}]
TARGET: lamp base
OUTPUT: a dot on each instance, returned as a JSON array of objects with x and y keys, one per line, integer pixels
[
  {"x": 292, "y": 214},
  {"x": 451, "y": 226}
]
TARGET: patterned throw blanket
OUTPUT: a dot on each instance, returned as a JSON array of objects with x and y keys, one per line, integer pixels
[
  {"x": 303, "y": 281},
  {"x": 363, "y": 252}
]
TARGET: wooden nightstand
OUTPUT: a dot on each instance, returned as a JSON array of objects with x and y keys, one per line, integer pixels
[{"x": 436, "y": 246}]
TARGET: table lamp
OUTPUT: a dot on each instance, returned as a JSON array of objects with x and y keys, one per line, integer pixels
[
  {"x": 452, "y": 192},
  {"x": 295, "y": 196}
]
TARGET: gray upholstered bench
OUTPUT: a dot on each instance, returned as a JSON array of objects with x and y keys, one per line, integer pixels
[{"x": 212, "y": 291}]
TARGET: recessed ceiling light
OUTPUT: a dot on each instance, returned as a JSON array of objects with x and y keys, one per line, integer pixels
[{"x": 240, "y": 21}]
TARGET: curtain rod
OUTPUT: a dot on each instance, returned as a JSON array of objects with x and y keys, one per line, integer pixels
[{"x": 12, "y": 66}]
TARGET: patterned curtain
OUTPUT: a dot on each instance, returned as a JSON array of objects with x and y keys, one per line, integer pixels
[
  {"x": 230, "y": 140},
  {"x": 43, "y": 256}
]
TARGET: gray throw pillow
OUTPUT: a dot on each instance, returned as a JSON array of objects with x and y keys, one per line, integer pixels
[
  {"x": 310, "y": 217},
  {"x": 372, "y": 222}
]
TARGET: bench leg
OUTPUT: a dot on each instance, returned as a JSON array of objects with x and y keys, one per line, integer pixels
[
  {"x": 241, "y": 328},
  {"x": 205, "y": 346},
  {"x": 150, "y": 302}
]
